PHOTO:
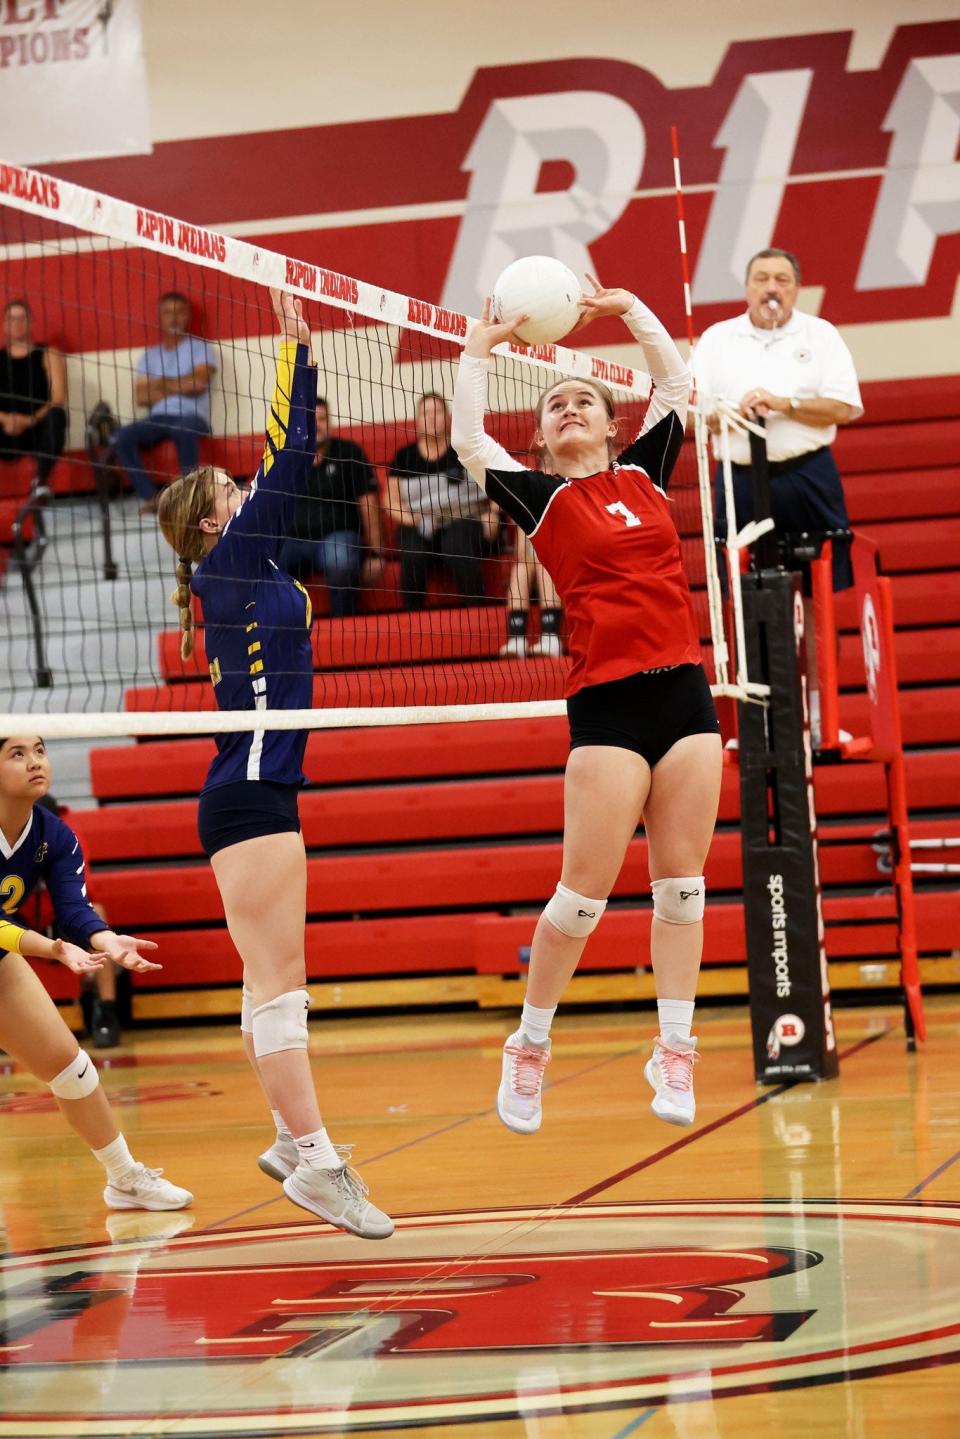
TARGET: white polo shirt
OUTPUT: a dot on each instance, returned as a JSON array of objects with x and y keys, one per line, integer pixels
[{"x": 805, "y": 357}]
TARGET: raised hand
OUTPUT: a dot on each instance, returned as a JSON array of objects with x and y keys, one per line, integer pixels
[
  {"x": 77, "y": 960},
  {"x": 487, "y": 333},
  {"x": 602, "y": 302},
  {"x": 124, "y": 950},
  {"x": 289, "y": 312}
]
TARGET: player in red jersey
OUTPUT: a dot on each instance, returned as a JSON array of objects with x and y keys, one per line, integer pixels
[{"x": 644, "y": 735}]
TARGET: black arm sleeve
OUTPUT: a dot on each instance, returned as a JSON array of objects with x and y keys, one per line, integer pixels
[
  {"x": 657, "y": 450},
  {"x": 523, "y": 494}
]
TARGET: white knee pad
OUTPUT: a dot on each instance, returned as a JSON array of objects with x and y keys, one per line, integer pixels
[
  {"x": 679, "y": 901},
  {"x": 281, "y": 1024},
  {"x": 78, "y": 1079},
  {"x": 246, "y": 1011},
  {"x": 573, "y": 914}
]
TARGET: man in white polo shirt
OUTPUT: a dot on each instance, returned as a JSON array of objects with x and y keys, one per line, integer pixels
[{"x": 795, "y": 371}]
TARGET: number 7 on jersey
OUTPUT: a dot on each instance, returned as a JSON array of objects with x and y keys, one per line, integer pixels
[{"x": 619, "y": 508}]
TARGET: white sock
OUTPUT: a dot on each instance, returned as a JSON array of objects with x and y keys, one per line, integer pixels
[
  {"x": 676, "y": 1017},
  {"x": 316, "y": 1150},
  {"x": 115, "y": 1158},
  {"x": 282, "y": 1130},
  {"x": 535, "y": 1023}
]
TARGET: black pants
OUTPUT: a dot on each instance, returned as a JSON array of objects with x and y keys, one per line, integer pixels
[
  {"x": 457, "y": 549},
  {"x": 805, "y": 494},
  {"x": 44, "y": 442}
]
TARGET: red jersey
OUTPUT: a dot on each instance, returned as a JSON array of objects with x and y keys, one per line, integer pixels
[{"x": 612, "y": 549}]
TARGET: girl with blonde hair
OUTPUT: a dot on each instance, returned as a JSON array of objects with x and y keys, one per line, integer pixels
[
  {"x": 257, "y": 635},
  {"x": 644, "y": 737}
]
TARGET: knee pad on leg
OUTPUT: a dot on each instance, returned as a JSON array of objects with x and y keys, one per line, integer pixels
[
  {"x": 77, "y": 1080},
  {"x": 679, "y": 901},
  {"x": 574, "y": 914},
  {"x": 246, "y": 1011},
  {"x": 281, "y": 1024}
]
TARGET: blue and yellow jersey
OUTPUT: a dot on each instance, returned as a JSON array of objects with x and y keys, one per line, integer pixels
[
  {"x": 47, "y": 850},
  {"x": 257, "y": 618}
]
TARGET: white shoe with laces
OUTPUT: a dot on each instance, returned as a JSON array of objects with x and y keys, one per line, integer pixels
[
  {"x": 280, "y": 1159},
  {"x": 521, "y": 1080},
  {"x": 339, "y": 1196},
  {"x": 669, "y": 1072},
  {"x": 143, "y": 1188},
  {"x": 515, "y": 648}
]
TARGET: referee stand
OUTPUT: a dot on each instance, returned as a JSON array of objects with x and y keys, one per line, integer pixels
[{"x": 790, "y": 1005}]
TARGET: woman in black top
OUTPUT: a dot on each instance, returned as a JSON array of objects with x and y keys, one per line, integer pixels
[
  {"x": 33, "y": 393},
  {"x": 442, "y": 518}
]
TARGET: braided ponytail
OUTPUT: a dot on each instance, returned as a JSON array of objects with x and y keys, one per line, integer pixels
[
  {"x": 183, "y": 504},
  {"x": 181, "y": 598}
]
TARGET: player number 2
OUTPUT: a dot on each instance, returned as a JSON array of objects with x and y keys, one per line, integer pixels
[{"x": 619, "y": 508}]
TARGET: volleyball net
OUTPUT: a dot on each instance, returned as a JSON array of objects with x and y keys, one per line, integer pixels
[{"x": 410, "y": 621}]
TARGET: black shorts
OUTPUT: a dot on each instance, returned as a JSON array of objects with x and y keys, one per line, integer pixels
[
  {"x": 231, "y": 813},
  {"x": 646, "y": 712}
]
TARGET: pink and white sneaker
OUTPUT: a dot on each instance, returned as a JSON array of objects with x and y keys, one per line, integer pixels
[
  {"x": 669, "y": 1072},
  {"x": 518, "y": 1098}
]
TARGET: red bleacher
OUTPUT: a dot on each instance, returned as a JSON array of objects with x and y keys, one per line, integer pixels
[{"x": 431, "y": 849}]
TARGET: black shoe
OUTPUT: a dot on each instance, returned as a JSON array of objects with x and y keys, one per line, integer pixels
[{"x": 105, "y": 1026}]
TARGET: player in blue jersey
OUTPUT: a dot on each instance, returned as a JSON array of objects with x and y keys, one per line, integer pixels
[
  {"x": 35, "y": 845},
  {"x": 257, "y": 634}
]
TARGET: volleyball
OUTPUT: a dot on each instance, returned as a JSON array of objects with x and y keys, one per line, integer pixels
[{"x": 544, "y": 289}]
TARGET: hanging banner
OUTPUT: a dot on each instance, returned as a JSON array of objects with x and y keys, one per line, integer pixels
[{"x": 73, "y": 83}]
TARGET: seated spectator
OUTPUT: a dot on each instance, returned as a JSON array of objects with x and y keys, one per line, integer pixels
[
  {"x": 442, "y": 517},
  {"x": 33, "y": 393},
  {"x": 529, "y": 574},
  {"x": 173, "y": 383},
  {"x": 337, "y": 530}
]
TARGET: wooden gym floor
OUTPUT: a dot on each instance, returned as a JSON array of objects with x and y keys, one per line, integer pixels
[{"x": 789, "y": 1266}]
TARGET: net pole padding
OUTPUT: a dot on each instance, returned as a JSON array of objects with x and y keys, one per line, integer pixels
[
  {"x": 63, "y": 202},
  {"x": 825, "y": 633}
]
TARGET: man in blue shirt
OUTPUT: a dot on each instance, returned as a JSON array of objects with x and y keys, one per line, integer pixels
[{"x": 173, "y": 381}]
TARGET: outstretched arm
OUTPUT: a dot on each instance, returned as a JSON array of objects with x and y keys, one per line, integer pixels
[
  {"x": 477, "y": 451},
  {"x": 657, "y": 446},
  {"x": 524, "y": 494},
  {"x": 33, "y": 945},
  {"x": 291, "y": 439},
  {"x": 665, "y": 364}
]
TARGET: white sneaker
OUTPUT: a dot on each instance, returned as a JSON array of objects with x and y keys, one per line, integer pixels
[
  {"x": 280, "y": 1159},
  {"x": 144, "y": 1188},
  {"x": 669, "y": 1071},
  {"x": 515, "y": 648},
  {"x": 521, "y": 1079},
  {"x": 339, "y": 1196},
  {"x": 549, "y": 645}
]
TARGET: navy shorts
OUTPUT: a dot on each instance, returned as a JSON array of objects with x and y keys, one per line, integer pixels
[
  {"x": 806, "y": 494},
  {"x": 231, "y": 813},
  {"x": 646, "y": 712}
]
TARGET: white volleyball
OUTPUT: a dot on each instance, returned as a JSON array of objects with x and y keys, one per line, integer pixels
[{"x": 543, "y": 288}]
